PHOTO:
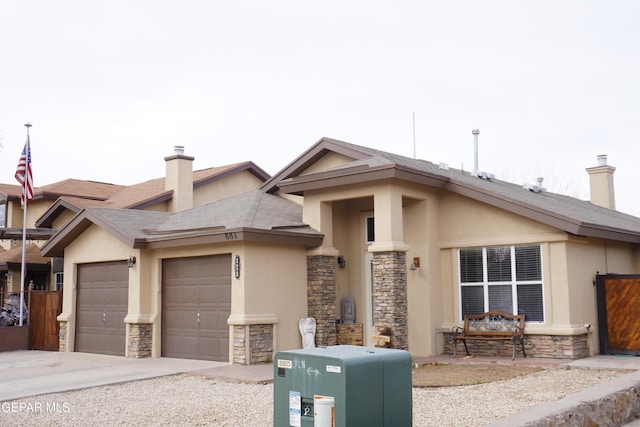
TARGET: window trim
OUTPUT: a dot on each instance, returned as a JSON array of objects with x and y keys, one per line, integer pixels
[{"x": 514, "y": 283}]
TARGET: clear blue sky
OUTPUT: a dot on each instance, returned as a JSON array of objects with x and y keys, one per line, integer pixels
[{"x": 110, "y": 87}]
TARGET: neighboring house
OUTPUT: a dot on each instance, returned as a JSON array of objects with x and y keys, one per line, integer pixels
[
  {"x": 416, "y": 245},
  {"x": 46, "y": 273},
  {"x": 56, "y": 204}
]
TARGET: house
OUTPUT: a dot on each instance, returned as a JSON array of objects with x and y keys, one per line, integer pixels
[
  {"x": 416, "y": 245},
  {"x": 46, "y": 274},
  {"x": 55, "y": 204}
]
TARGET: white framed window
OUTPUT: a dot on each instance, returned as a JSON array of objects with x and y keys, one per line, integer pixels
[
  {"x": 504, "y": 278},
  {"x": 369, "y": 230},
  {"x": 3, "y": 214},
  {"x": 59, "y": 281}
]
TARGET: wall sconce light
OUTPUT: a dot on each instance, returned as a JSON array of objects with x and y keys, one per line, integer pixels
[
  {"x": 415, "y": 264},
  {"x": 7, "y": 274},
  {"x": 131, "y": 261},
  {"x": 342, "y": 263},
  {"x": 236, "y": 266}
]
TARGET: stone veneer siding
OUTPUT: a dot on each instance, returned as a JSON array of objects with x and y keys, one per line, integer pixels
[
  {"x": 390, "y": 296},
  {"x": 252, "y": 344},
  {"x": 350, "y": 334},
  {"x": 62, "y": 337},
  {"x": 613, "y": 403},
  {"x": 261, "y": 343},
  {"x": 240, "y": 344},
  {"x": 321, "y": 297},
  {"x": 544, "y": 346},
  {"x": 139, "y": 342}
]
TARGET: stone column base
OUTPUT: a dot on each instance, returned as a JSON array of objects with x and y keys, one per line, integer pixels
[
  {"x": 252, "y": 344},
  {"x": 62, "y": 336},
  {"x": 140, "y": 340}
]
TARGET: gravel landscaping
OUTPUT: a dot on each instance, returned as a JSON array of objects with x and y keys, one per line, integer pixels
[{"x": 190, "y": 400}]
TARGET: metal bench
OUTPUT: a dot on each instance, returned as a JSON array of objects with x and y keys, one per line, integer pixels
[{"x": 490, "y": 326}]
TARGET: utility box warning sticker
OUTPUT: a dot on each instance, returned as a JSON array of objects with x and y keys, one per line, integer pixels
[
  {"x": 334, "y": 369},
  {"x": 295, "y": 406}
]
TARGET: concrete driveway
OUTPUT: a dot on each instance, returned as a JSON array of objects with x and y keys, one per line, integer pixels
[{"x": 31, "y": 372}]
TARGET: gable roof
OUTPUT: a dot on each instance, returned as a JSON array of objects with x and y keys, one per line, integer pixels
[
  {"x": 251, "y": 216},
  {"x": 572, "y": 215},
  {"x": 145, "y": 194},
  {"x": 90, "y": 190}
]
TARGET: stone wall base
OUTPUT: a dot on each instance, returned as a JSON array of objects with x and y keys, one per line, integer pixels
[
  {"x": 350, "y": 334},
  {"x": 62, "y": 337},
  {"x": 140, "y": 340},
  {"x": 252, "y": 344},
  {"x": 613, "y": 403},
  {"x": 544, "y": 346}
]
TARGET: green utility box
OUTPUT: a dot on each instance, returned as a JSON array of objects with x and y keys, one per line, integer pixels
[{"x": 342, "y": 386}]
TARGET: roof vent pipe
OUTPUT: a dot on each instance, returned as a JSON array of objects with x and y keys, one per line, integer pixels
[{"x": 475, "y": 133}]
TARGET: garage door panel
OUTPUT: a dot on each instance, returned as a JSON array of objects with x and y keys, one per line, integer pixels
[
  {"x": 192, "y": 286},
  {"x": 101, "y": 306}
]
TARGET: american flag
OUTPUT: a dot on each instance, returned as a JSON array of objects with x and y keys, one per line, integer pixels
[{"x": 24, "y": 175}]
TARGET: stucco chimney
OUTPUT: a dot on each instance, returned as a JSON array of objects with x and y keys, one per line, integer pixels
[
  {"x": 179, "y": 178},
  {"x": 601, "y": 182}
]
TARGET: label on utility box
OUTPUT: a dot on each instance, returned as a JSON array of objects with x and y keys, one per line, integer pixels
[
  {"x": 334, "y": 369},
  {"x": 283, "y": 363},
  {"x": 295, "y": 405}
]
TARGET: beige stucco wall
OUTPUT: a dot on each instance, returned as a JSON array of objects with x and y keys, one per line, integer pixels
[
  {"x": 329, "y": 160},
  {"x": 271, "y": 288},
  {"x": 35, "y": 209},
  {"x": 585, "y": 259},
  {"x": 348, "y": 208},
  {"x": 349, "y": 240},
  {"x": 435, "y": 224},
  {"x": 237, "y": 183},
  {"x": 569, "y": 263},
  {"x": 63, "y": 219},
  {"x": 274, "y": 284},
  {"x": 95, "y": 245}
]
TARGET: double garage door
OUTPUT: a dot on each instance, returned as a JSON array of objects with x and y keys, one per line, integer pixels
[{"x": 196, "y": 302}]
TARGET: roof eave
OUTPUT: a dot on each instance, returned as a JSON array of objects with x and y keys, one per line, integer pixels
[
  {"x": 228, "y": 235},
  {"x": 358, "y": 175}
]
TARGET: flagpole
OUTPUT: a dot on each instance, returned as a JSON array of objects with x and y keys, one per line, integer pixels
[{"x": 24, "y": 226}]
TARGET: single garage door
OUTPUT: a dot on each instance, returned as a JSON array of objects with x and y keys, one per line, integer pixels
[
  {"x": 196, "y": 305},
  {"x": 101, "y": 304}
]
